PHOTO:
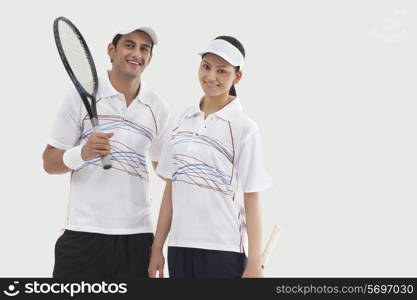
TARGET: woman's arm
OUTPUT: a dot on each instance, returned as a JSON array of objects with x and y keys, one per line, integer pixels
[
  {"x": 254, "y": 229},
  {"x": 164, "y": 224}
]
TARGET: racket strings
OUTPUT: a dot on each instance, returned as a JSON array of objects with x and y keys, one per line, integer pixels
[{"x": 78, "y": 57}]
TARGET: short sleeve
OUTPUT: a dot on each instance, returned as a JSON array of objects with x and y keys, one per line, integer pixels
[
  {"x": 156, "y": 146},
  {"x": 251, "y": 173},
  {"x": 66, "y": 130},
  {"x": 166, "y": 166}
]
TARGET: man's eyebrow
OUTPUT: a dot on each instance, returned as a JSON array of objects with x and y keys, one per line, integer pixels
[
  {"x": 128, "y": 41},
  {"x": 133, "y": 42}
]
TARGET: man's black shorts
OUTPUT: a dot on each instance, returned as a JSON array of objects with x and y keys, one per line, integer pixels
[{"x": 95, "y": 255}]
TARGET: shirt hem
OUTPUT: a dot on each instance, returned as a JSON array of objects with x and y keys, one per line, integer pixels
[
  {"x": 114, "y": 231},
  {"x": 54, "y": 143},
  {"x": 207, "y": 246},
  {"x": 163, "y": 174},
  {"x": 258, "y": 188}
]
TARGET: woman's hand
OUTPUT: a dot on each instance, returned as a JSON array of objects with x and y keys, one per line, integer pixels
[
  {"x": 253, "y": 270},
  {"x": 156, "y": 264}
]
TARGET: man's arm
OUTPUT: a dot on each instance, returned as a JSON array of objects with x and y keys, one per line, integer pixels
[
  {"x": 98, "y": 144},
  {"x": 53, "y": 162}
]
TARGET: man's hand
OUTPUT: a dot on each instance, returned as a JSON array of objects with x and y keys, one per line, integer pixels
[{"x": 98, "y": 144}]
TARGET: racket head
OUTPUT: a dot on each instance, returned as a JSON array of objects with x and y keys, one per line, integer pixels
[{"x": 78, "y": 61}]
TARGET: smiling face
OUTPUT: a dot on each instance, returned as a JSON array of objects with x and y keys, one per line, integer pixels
[
  {"x": 217, "y": 76},
  {"x": 132, "y": 54}
]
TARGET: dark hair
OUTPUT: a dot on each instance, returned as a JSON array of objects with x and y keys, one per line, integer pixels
[
  {"x": 239, "y": 46},
  {"x": 117, "y": 38}
]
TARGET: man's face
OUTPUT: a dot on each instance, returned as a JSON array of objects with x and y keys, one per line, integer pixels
[{"x": 132, "y": 54}]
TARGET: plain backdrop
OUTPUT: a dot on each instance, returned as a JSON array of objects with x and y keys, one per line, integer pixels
[{"x": 332, "y": 85}]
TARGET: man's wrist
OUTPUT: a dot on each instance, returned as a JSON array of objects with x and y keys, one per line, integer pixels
[{"x": 72, "y": 158}]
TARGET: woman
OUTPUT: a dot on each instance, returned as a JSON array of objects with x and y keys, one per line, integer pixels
[{"x": 213, "y": 151}]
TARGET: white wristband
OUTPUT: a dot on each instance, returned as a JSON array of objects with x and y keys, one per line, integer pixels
[{"x": 72, "y": 158}]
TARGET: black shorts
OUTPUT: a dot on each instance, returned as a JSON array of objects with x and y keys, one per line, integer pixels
[
  {"x": 202, "y": 263},
  {"x": 95, "y": 255}
]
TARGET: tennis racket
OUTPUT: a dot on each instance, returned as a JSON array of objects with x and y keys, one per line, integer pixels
[
  {"x": 80, "y": 67},
  {"x": 270, "y": 245}
]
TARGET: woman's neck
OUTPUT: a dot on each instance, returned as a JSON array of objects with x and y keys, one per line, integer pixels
[{"x": 210, "y": 105}]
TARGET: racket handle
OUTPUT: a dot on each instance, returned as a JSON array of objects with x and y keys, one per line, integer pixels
[
  {"x": 105, "y": 160},
  {"x": 270, "y": 245}
]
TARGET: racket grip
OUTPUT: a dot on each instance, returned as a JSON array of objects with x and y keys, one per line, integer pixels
[
  {"x": 105, "y": 160},
  {"x": 270, "y": 245}
]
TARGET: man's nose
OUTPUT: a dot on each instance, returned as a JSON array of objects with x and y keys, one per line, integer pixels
[{"x": 136, "y": 52}]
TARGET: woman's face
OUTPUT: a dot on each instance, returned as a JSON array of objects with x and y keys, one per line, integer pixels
[{"x": 216, "y": 75}]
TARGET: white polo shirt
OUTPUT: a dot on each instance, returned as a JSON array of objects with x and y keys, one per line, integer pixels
[
  {"x": 211, "y": 162},
  {"x": 113, "y": 201}
]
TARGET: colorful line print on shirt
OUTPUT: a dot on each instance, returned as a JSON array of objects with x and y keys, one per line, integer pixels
[
  {"x": 123, "y": 157},
  {"x": 193, "y": 137},
  {"x": 194, "y": 171},
  {"x": 110, "y": 122}
]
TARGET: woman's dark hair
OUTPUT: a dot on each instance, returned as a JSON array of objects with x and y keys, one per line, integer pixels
[{"x": 240, "y": 47}]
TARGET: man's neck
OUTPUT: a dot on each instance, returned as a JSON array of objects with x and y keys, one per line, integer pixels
[{"x": 129, "y": 87}]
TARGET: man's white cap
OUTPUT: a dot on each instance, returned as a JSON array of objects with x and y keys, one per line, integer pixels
[
  {"x": 128, "y": 28},
  {"x": 227, "y": 51}
]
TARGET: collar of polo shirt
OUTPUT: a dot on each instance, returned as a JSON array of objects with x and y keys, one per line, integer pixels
[
  {"x": 225, "y": 113},
  {"x": 106, "y": 89}
]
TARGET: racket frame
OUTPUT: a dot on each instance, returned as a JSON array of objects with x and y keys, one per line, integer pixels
[{"x": 88, "y": 99}]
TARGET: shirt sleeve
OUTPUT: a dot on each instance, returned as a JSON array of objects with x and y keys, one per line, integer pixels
[
  {"x": 66, "y": 130},
  {"x": 166, "y": 166},
  {"x": 251, "y": 173},
  {"x": 156, "y": 146}
]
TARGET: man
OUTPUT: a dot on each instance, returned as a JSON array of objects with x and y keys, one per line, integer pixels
[{"x": 109, "y": 229}]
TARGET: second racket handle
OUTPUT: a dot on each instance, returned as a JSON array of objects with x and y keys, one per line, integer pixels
[{"x": 105, "y": 160}]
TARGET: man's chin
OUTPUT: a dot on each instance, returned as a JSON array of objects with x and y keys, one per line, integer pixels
[{"x": 133, "y": 75}]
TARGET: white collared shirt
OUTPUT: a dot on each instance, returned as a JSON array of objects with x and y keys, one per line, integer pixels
[
  {"x": 114, "y": 201},
  {"x": 211, "y": 162}
]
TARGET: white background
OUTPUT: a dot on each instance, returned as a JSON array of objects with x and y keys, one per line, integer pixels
[{"x": 332, "y": 84}]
